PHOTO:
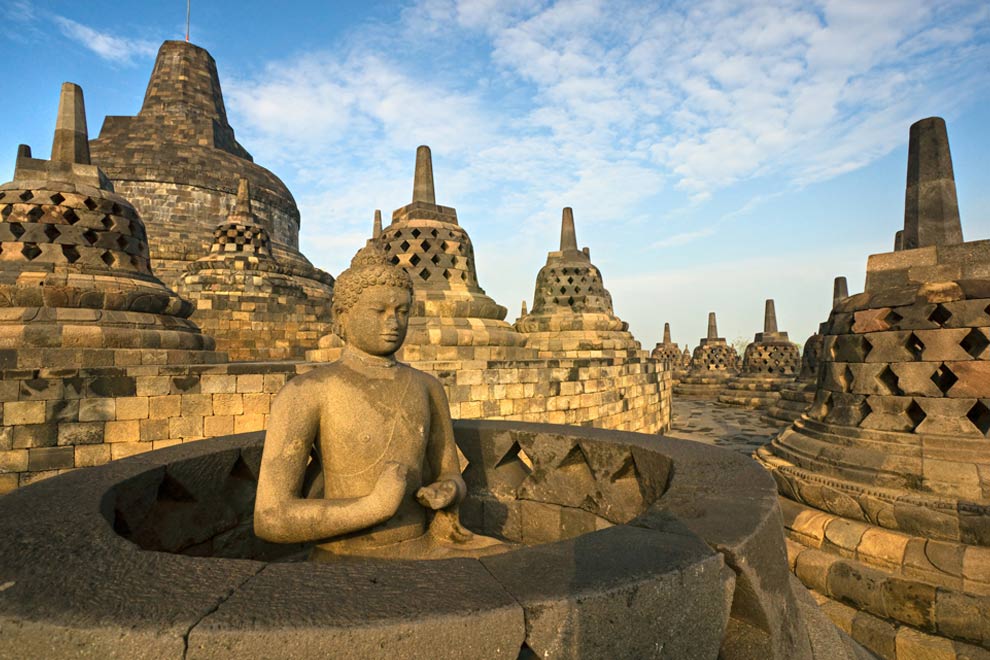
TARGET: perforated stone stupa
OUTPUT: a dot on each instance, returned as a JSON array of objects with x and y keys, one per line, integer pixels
[
  {"x": 667, "y": 352},
  {"x": 714, "y": 361},
  {"x": 451, "y": 318},
  {"x": 76, "y": 283},
  {"x": 796, "y": 396},
  {"x": 572, "y": 311},
  {"x": 886, "y": 478},
  {"x": 769, "y": 362},
  {"x": 178, "y": 162},
  {"x": 246, "y": 299}
]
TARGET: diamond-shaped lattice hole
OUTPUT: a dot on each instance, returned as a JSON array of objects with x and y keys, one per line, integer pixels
[
  {"x": 57, "y": 198},
  {"x": 446, "y": 274},
  {"x": 888, "y": 379},
  {"x": 847, "y": 379},
  {"x": 17, "y": 229},
  {"x": 36, "y": 213},
  {"x": 426, "y": 245},
  {"x": 940, "y": 315},
  {"x": 90, "y": 203},
  {"x": 433, "y": 233},
  {"x": 435, "y": 259},
  {"x": 974, "y": 343},
  {"x": 915, "y": 414},
  {"x": 944, "y": 379},
  {"x": 915, "y": 346},
  {"x": 107, "y": 222},
  {"x": 122, "y": 242},
  {"x": 892, "y": 318},
  {"x": 52, "y": 232},
  {"x": 425, "y": 274},
  {"x": 414, "y": 260},
  {"x": 90, "y": 236},
  {"x": 70, "y": 253},
  {"x": 5, "y": 212},
  {"x": 394, "y": 260},
  {"x": 108, "y": 258},
  {"x": 30, "y": 251},
  {"x": 570, "y": 280},
  {"x": 404, "y": 245},
  {"x": 979, "y": 414},
  {"x": 70, "y": 216},
  {"x": 415, "y": 233},
  {"x": 563, "y": 290},
  {"x": 388, "y": 247},
  {"x": 26, "y": 195},
  {"x": 864, "y": 410},
  {"x": 570, "y": 301},
  {"x": 463, "y": 275}
]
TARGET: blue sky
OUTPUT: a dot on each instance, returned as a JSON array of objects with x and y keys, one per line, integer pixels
[{"x": 715, "y": 153}]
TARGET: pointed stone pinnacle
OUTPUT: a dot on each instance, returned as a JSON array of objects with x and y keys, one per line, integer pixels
[
  {"x": 666, "y": 333},
  {"x": 71, "y": 141},
  {"x": 769, "y": 318},
  {"x": 712, "y": 327},
  {"x": 840, "y": 290},
  {"x": 931, "y": 212},
  {"x": 243, "y": 204},
  {"x": 568, "y": 238},
  {"x": 524, "y": 310},
  {"x": 587, "y": 252},
  {"x": 423, "y": 179},
  {"x": 376, "y": 230}
]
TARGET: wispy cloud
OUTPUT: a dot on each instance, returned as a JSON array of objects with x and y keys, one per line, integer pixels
[{"x": 119, "y": 50}]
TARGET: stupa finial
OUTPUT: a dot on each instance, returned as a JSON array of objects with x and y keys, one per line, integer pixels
[
  {"x": 423, "y": 179},
  {"x": 71, "y": 141},
  {"x": 524, "y": 311},
  {"x": 376, "y": 230},
  {"x": 666, "y": 333},
  {"x": 568, "y": 238},
  {"x": 769, "y": 318},
  {"x": 712, "y": 326},
  {"x": 931, "y": 211},
  {"x": 243, "y": 204},
  {"x": 840, "y": 290}
]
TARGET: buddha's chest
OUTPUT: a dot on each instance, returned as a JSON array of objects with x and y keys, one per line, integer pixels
[{"x": 363, "y": 427}]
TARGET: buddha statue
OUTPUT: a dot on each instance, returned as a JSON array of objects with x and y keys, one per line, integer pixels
[{"x": 359, "y": 455}]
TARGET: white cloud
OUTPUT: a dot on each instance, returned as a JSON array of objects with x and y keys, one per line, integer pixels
[{"x": 119, "y": 50}]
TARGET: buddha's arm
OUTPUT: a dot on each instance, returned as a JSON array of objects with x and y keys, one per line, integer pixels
[
  {"x": 441, "y": 452},
  {"x": 280, "y": 514}
]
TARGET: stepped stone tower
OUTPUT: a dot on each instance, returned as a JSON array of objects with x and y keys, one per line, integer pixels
[
  {"x": 769, "y": 362},
  {"x": 246, "y": 299},
  {"x": 76, "y": 284},
  {"x": 713, "y": 363},
  {"x": 885, "y": 479},
  {"x": 451, "y": 318},
  {"x": 572, "y": 311},
  {"x": 797, "y": 396},
  {"x": 178, "y": 161}
]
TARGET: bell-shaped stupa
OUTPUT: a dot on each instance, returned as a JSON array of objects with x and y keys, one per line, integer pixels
[
  {"x": 572, "y": 311},
  {"x": 668, "y": 352},
  {"x": 451, "y": 317},
  {"x": 246, "y": 299},
  {"x": 797, "y": 395},
  {"x": 886, "y": 479},
  {"x": 714, "y": 361},
  {"x": 769, "y": 362},
  {"x": 178, "y": 162},
  {"x": 76, "y": 284}
]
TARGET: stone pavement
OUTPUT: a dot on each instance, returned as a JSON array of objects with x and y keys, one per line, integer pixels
[{"x": 715, "y": 423}]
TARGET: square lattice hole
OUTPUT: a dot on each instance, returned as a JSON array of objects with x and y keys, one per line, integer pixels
[
  {"x": 944, "y": 379},
  {"x": 889, "y": 379},
  {"x": 974, "y": 343},
  {"x": 915, "y": 346},
  {"x": 892, "y": 318},
  {"x": 979, "y": 414},
  {"x": 915, "y": 413},
  {"x": 940, "y": 315}
]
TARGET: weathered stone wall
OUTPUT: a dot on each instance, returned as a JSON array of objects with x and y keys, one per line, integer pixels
[{"x": 54, "y": 420}]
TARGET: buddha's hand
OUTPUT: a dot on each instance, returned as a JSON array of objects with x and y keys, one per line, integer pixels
[
  {"x": 438, "y": 495},
  {"x": 390, "y": 487}
]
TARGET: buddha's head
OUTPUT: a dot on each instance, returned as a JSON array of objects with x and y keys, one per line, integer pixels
[{"x": 371, "y": 302}]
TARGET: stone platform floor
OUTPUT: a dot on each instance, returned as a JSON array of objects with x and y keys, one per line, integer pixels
[{"x": 714, "y": 423}]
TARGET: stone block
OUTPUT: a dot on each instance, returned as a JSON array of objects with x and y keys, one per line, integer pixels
[
  {"x": 228, "y": 404},
  {"x": 97, "y": 409},
  {"x": 218, "y": 383},
  {"x": 257, "y": 404},
  {"x": 185, "y": 427},
  {"x": 132, "y": 408},
  {"x": 153, "y": 430},
  {"x": 246, "y": 423},
  {"x": 81, "y": 433},
  {"x": 218, "y": 425},
  {"x": 163, "y": 407},
  {"x": 14, "y": 460},
  {"x": 124, "y": 449},
  {"x": 197, "y": 405},
  {"x": 122, "y": 431},
  {"x": 250, "y": 383},
  {"x": 50, "y": 458},
  {"x": 17, "y": 413},
  {"x": 35, "y": 435},
  {"x": 91, "y": 455}
]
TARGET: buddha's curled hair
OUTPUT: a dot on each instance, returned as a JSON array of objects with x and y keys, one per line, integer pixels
[{"x": 369, "y": 267}]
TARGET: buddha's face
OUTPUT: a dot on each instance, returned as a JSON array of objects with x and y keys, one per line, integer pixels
[{"x": 377, "y": 322}]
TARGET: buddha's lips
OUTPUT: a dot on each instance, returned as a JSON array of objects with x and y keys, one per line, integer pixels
[{"x": 390, "y": 337}]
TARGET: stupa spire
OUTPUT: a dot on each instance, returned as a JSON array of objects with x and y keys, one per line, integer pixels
[
  {"x": 524, "y": 311},
  {"x": 71, "y": 141},
  {"x": 769, "y": 318},
  {"x": 376, "y": 229},
  {"x": 423, "y": 180},
  {"x": 568, "y": 237},
  {"x": 243, "y": 204},
  {"x": 666, "y": 333},
  {"x": 931, "y": 211},
  {"x": 840, "y": 290},
  {"x": 712, "y": 326}
]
